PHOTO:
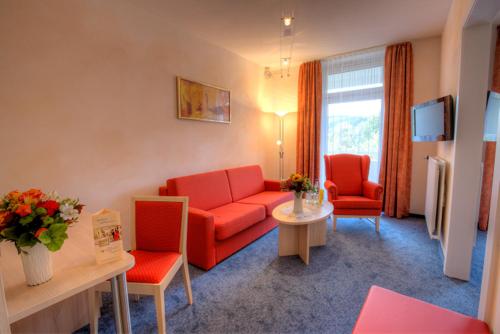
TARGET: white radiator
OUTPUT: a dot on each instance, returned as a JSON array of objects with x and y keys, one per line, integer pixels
[{"x": 434, "y": 196}]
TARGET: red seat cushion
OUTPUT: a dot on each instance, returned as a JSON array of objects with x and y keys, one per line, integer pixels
[
  {"x": 151, "y": 267},
  {"x": 386, "y": 311},
  {"x": 269, "y": 199},
  {"x": 356, "y": 202},
  {"x": 205, "y": 191},
  {"x": 235, "y": 217},
  {"x": 245, "y": 181}
]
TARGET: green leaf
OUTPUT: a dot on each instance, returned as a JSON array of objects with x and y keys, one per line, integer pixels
[
  {"x": 26, "y": 219},
  {"x": 45, "y": 238},
  {"x": 47, "y": 221},
  {"x": 54, "y": 237},
  {"x": 26, "y": 240},
  {"x": 40, "y": 211},
  {"x": 10, "y": 233}
]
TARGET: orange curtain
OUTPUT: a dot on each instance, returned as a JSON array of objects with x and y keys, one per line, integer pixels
[
  {"x": 489, "y": 153},
  {"x": 395, "y": 166},
  {"x": 309, "y": 119}
]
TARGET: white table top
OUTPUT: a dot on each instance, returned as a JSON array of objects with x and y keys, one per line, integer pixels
[
  {"x": 312, "y": 213},
  {"x": 75, "y": 270}
]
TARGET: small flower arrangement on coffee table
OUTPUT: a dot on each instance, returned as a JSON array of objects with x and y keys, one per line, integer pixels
[{"x": 299, "y": 184}]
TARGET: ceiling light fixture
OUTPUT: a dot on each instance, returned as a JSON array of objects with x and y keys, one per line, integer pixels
[
  {"x": 287, "y": 20},
  {"x": 287, "y": 35}
]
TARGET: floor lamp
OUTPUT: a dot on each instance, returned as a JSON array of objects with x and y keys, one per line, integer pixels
[{"x": 281, "y": 133}]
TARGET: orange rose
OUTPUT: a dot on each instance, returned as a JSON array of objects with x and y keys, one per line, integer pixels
[
  {"x": 13, "y": 195},
  {"x": 23, "y": 210},
  {"x": 4, "y": 219},
  {"x": 31, "y": 196}
]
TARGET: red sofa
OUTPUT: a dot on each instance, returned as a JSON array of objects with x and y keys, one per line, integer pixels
[
  {"x": 386, "y": 311},
  {"x": 228, "y": 209}
]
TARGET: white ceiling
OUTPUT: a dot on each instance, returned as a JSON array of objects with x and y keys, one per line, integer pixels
[{"x": 251, "y": 29}]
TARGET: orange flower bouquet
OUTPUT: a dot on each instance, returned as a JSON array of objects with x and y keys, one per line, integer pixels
[
  {"x": 36, "y": 223},
  {"x": 298, "y": 184}
]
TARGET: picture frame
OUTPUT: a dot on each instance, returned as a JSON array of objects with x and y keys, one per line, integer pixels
[{"x": 203, "y": 102}]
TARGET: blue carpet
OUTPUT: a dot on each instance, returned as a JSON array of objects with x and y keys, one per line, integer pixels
[{"x": 255, "y": 291}]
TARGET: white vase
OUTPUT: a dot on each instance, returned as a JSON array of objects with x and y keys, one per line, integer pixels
[
  {"x": 37, "y": 264},
  {"x": 297, "y": 202}
]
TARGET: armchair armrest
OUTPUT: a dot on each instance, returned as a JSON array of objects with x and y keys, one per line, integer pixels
[
  {"x": 372, "y": 190},
  {"x": 272, "y": 185},
  {"x": 331, "y": 189},
  {"x": 201, "y": 238}
]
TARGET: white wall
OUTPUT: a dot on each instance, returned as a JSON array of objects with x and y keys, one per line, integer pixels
[
  {"x": 426, "y": 68},
  {"x": 473, "y": 87},
  {"x": 88, "y": 101},
  {"x": 451, "y": 41}
]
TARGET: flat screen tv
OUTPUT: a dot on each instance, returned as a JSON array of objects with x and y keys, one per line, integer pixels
[
  {"x": 433, "y": 120},
  {"x": 491, "y": 116}
]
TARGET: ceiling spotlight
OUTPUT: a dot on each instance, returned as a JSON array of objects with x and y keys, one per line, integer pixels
[
  {"x": 285, "y": 61},
  {"x": 287, "y": 20}
]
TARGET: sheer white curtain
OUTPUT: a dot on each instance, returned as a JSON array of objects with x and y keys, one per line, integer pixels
[{"x": 353, "y": 102}]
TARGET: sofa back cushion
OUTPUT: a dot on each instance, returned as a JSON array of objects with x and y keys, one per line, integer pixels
[
  {"x": 245, "y": 181},
  {"x": 205, "y": 191},
  {"x": 347, "y": 171}
]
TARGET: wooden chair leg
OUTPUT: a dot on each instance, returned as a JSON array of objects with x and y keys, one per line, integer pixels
[
  {"x": 187, "y": 282},
  {"x": 334, "y": 223},
  {"x": 377, "y": 224},
  {"x": 160, "y": 311},
  {"x": 94, "y": 297}
]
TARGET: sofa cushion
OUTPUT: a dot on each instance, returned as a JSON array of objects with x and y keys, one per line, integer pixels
[
  {"x": 245, "y": 181},
  {"x": 205, "y": 191},
  {"x": 386, "y": 311},
  {"x": 269, "y": 199},
  {"x": 235, "y": 217},
  {"x": 356, "y": 202}
]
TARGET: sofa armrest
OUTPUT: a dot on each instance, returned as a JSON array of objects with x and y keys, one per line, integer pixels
[
  {"x": 372, "y": 190},
  {"x": 201, "y": 238},
  {"x": 331, "y": 189},
  {"x": 272, "y": 185},
  {"x": 163, "y": 191}
]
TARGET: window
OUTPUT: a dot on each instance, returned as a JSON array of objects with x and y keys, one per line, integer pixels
[{"x": 353, "y": 105}]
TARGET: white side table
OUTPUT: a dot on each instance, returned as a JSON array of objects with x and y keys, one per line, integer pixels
[
  {"x": 75, "y": 271},
  {"x": 297, "y": 233}
]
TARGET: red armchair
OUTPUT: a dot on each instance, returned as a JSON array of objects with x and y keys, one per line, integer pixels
[{"x": 349, "y": 190}]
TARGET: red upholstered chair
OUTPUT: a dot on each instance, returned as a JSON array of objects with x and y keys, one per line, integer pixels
[
  {"x": 158, "y": 237},
  {"x": 386, "y": 311},
  {"x": 349, "y": 190}
]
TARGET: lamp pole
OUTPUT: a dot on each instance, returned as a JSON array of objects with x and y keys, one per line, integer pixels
[{"x": 279, "y": 142}]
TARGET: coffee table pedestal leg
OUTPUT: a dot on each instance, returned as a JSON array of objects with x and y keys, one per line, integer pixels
[{"x": 297, "y": 239}]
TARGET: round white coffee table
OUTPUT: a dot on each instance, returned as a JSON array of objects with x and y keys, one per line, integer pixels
[{"x": 297, "y": 233}]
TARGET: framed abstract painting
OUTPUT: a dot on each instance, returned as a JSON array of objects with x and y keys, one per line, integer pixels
[{"x": 202, "y": 102}]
